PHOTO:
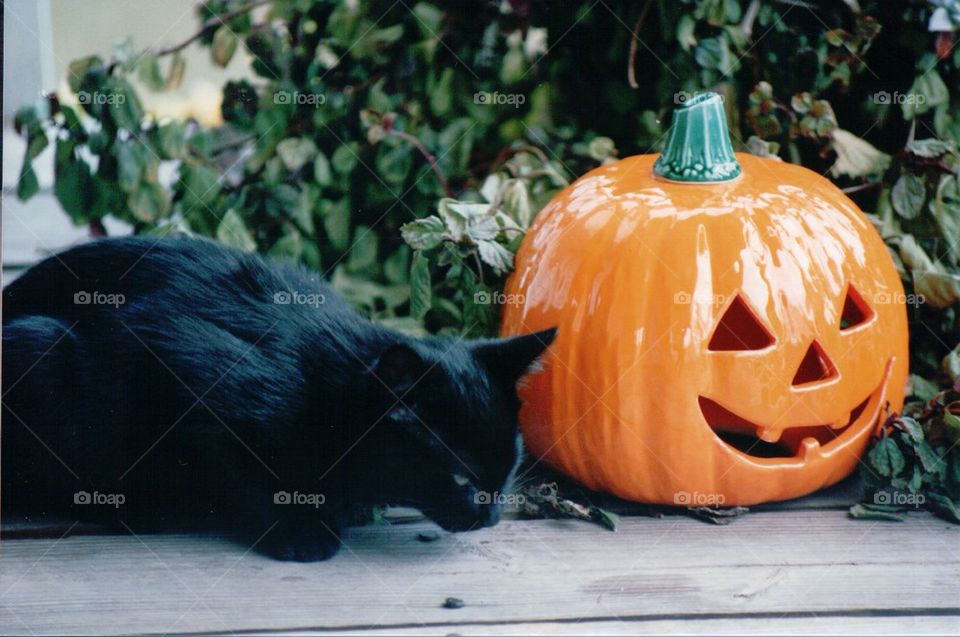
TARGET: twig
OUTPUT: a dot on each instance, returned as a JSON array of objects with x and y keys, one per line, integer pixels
[
  {"x": 852, "y": 189},
  {"x": 212, "y": 23},
  {"x": 237, "y": 143},
  {"x": 748, "y": 18},
  {"x": 476, "y": 258},
  {"x": 631, "y": 71},
  {"x": 426, "y": 155}
]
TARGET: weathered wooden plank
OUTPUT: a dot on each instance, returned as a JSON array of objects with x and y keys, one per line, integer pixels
[
  {"x": 808, "y": 562},
  {"x": 743, "y": 625}
]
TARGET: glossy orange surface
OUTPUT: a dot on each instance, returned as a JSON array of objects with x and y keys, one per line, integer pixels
[{"x": 727, "y": 343}]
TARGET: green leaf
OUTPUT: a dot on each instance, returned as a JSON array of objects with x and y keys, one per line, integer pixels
[
  {"x": 913, "y": 428},
  {"x": 289, "y": 246},
  {"x": 932, "y": 463},
  {"x": 395, "y": 266},
  {"x": 420, "y": 287},
  {"x": 198, "y": 185},
  {"x": 516, "y": 202},
  {"x": 951, "y": 423},
  {"x": 131, "y": 163},
  {"x": 945, "y": 207},
  {"x": 866, "y": 511},
  {"x": 149, "y": 202},
  {"x": 928, "y": 148},
  {"x": 908, "y": 195},
  {"x": 856, "y": 157},
  {"x": 423, "y": 234},
  {"x": 496, "y": 256},
  {"x": 73, "y": 185},
  {"x": 149, "y": 73},
  {"x": 685, "y": 32},
  {"x": 363, "y": 252},
  {"x": 927, "y": 92},
  {"x": 232, "y": 231},
  {"x": 171, "y": 140},
  {"x": 27, "y": 185},
  {"x": 393, "y": 164},
  {"x": 224, "y": 46},
  {"x": 916, "y": 480},
  {"x": 124, "y": 105},
  {"x": 296, "y": 151},
  {"x": 601, "y": 147},
  {"x": 945, "y": 507},
  {"x": 429, "y": 18},
  {"x": 938, "y": 289},
  {"x": 336, "y": 223},
  {"x": 321, "y": 170},
  {"x": 887, "y": 458},
  {"x": 607, "y": 519},
  {"x": 78, "y": 69},
  {"x": 303, "y": 206},
  {"x": 178, "y": 66},
  {"x": 441, "y": 93},
  {"x": 714, "y": 54},
  {"x": 344, "y": 158}
]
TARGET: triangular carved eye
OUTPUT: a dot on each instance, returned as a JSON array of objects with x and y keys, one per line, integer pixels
[
  {"x": 855, "y": 310},
  {"x": 815, "y": 367},
  {"x": 739, "y": 329}
]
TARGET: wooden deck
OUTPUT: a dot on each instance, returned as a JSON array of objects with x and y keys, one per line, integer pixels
[{"x": 799, "y": 568}]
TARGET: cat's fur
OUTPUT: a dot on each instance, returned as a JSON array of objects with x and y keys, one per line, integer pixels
[{"x": 201, "y": 397}]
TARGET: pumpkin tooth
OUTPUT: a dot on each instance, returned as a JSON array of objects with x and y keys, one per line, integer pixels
[
  {"x": 769, "y": 434},
  {"x": 840, "y": 423},
  {"x": 810, "y": 448}
]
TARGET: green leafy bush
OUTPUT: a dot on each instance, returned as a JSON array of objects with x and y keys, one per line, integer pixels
[{"x": 404, "y": 148}]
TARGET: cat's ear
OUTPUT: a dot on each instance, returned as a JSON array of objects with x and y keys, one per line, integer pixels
[
  {"x": 510, "y": 358},
  {"x": 399, "y": 367}
]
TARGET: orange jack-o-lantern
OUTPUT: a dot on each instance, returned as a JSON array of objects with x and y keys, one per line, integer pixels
[{"x": 731, "y": 328}]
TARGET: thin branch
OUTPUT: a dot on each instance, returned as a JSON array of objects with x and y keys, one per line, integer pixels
[
  {"x": 212, "y": 23},
  {"x": 426, "y": 155},
  {"x": 635, "y": 36},
  {"x": 749, "y": 17},
  {"x": 476, "y": 258},
  {"x": 851, "y": 189}
]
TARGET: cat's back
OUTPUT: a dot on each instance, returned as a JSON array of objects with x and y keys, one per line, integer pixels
[{"x": 144, "y": 273}]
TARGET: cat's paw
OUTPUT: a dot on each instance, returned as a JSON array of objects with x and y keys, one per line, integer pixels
[{"x": 297, "y": 546}]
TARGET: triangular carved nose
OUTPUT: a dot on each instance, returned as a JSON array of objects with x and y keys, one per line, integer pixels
[{"x": 815, "y": 367}]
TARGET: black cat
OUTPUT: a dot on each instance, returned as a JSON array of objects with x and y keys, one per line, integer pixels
[{"x": 181, "y": 384}]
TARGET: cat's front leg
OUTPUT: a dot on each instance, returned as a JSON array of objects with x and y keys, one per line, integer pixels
[{"x": 300, "y": 533}]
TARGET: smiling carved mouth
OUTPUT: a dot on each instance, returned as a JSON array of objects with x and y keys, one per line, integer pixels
[{"x": 758, "y": 441}]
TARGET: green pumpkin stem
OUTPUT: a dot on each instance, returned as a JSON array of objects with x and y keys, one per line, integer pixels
[{"x": 698, "y": 149}]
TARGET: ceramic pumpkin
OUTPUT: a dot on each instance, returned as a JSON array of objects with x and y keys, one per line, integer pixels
[{"x": 731, "y": 328}]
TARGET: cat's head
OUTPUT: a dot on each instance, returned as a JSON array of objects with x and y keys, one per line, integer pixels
[{"x": 448, "y": 442}]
